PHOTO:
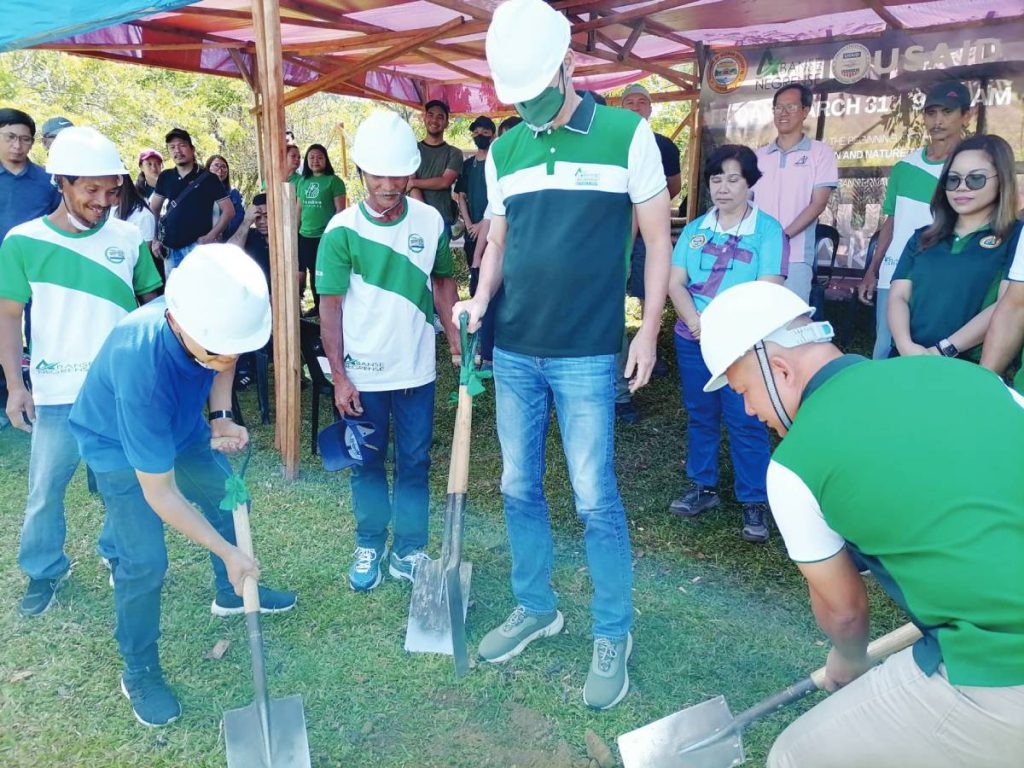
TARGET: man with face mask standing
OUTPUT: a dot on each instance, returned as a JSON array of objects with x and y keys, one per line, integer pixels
[
  {"x": 83, "y": 272},
  {"x": 563, "y": 186}
]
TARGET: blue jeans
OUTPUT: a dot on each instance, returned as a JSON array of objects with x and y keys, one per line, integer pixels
[
  {"x": 409, "y": 504},
  {"x": 883, "y": 337},
  {"x": 748, "y": 437},
  {"x": 583, "y": 390},
  {"x": 177, "y": 255},
  {"x": 52, "y": 463},
  {"x": 139, "y": 560},
  {"x": 486, "y": 329}
]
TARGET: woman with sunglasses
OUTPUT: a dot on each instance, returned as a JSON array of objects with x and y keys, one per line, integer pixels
[
  {"x": 733, "y": 243},
  {"x": 951, "y": 272}
]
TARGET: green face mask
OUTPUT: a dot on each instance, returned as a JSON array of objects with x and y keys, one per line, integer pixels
[{"x": 540, "y": 111}]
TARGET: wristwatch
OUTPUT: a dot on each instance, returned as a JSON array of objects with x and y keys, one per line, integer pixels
[
  {"x": 214, "y": 415},
  {"x": 947, "y": 348}
]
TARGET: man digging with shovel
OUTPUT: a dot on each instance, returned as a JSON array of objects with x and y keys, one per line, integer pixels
[
  {"x": 939, "y": 522},
  {"x": 139, "y": 424}
]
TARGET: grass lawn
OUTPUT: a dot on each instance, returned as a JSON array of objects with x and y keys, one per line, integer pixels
[{"x": 714, "y": 615}]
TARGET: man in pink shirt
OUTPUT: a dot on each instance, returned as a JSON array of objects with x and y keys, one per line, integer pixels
[{"x": 798, "y": 175}]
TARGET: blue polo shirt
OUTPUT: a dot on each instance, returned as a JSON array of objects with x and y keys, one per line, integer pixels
[
  {"x": 717, "y": 259},
  {"x": 25, "y": 196},
  {"x": 142, "y": 401}
]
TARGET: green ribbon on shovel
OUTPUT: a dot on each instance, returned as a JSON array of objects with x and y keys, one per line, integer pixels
[
  {"x": 470, "y": 377},
  {"x": 235, "y": 491}
]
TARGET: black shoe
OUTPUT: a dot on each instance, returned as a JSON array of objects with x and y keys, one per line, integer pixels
[
  {"x": 696, "y": 501},
  {"x": 153, "y": 703},
  {"x": 755, "y": 522},
  {"x": 627, "y": 412},
  {"x": 40, "y": 594}
]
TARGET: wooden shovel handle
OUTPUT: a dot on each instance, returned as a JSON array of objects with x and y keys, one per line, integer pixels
[
  {"x": 880, "y": 649},
  {"x": 458, "y": 470},
  {"x": 243, "y": 537}
]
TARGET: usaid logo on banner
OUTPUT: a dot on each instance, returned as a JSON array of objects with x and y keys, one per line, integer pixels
[{"x": 851, "y": 63}]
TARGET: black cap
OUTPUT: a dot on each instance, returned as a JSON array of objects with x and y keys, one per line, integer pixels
[
  {"x": 178, "y": 133},
  {"x": 951, "y": 94},
  {"x": 483, "y": 122},
  {"x": 437, "y": 103},
  {"x": 260, "y": 198}
]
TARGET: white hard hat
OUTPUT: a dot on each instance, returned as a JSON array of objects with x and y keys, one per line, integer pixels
[
  {"x": 84, "y": 151},
  {"x": 386, "y": 146},
  {"x": 219, "y": 297},
  {"x": 526, "y": 43},
  {"x": 740, "y": 317}
]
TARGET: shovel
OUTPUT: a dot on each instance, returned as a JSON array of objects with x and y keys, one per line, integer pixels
[
  {"x": 440, "y": 595},
  {"x": 708, "y": 736},
  {"x": 269, "y": 733}
]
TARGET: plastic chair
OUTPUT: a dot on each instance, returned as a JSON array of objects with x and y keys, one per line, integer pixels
[{"x": 312, "y": 348}]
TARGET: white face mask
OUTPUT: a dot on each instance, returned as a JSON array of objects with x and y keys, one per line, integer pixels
[{"x": 77, "y": 223}]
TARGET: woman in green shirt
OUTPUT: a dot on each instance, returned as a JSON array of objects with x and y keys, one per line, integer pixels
[
  {"x": 947, "y": 280},
  {"x": 321, "y": 195}
]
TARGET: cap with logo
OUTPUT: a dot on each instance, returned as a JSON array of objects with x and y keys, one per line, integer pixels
[
  {"x": 483, "y": 122},
  {"x": 55, "y": 125},
  {"x": 951, "y": 94},
  {"x": 146, "y": 154},
  {"x": 636, "y": 88}
]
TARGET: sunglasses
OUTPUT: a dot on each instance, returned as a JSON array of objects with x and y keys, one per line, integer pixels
[{"x": 974, "y": 181}]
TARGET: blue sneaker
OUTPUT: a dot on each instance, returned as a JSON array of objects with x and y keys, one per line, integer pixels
[
  {"x": 405, "y": 567},
  {"x": 271, "y": 601},
  {"x": 153, "y": 703},
  {"x": 366, "y": 573}
]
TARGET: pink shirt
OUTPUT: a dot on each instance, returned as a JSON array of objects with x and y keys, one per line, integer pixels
[{"x": 789, "y": 178}]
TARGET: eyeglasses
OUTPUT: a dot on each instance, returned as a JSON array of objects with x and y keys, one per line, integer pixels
[
  {"x": 787, "y": 109},
  {"x": 10, "y": 137},
  {"x": 974, "y": 181}
]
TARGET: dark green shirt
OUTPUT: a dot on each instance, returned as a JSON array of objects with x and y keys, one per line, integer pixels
[
  {"x": 435, "y": 160},
  {"x": 953, "y": 280},
  {"x": 473, "y": 184}
]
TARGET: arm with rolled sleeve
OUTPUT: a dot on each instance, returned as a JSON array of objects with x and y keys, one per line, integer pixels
[
  {"x": 15, "y": 291},
  {"x": 333, "y": 274}
]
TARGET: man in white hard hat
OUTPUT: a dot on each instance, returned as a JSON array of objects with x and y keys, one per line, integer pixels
[
  {"x": 382, "y": 268},
  {"x": 139, "y": 423},
  {"x": 940, "y": 524},
  {"x": 563, "y": 186},
  {"x": 83, "y": 273}
]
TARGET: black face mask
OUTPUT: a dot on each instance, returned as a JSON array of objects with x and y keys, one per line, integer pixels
[{"x": 482, "y": 142}]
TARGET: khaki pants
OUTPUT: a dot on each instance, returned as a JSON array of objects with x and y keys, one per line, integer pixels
[{"x": 896, "y": 717}]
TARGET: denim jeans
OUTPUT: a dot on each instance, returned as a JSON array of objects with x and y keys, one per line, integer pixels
[
  {"x": 883, "y": 337},
  {"x": 748, "y": 437},
  {"x": 801, "y": 275},
  {"x": 409, "y": 504},
  {"x": 177, "y": 255},
  {"x": 52, "y": 463},
  {"x": 486, "y": 330},
  {"x": 139, "y": 559},
  {"x": 582, "y": 389}
]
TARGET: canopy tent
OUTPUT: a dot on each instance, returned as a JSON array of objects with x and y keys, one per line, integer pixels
[
  {"x": 414, "y": 50},
  {"x": 410, "y": 51}
]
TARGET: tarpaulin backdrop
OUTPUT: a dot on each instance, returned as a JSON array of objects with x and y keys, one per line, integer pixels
[{"x": 868, "y": 98}]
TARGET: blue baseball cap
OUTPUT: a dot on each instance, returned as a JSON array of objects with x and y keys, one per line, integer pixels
[{"x": 344, "y": 443}]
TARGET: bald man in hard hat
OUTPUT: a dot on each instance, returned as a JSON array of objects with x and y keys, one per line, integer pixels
[
  {"x": 84, "y": 272},
  {"x": 930, "y": 499},
  {"x": 563, "y": 186},
  {"x": 139, "y": 423}
]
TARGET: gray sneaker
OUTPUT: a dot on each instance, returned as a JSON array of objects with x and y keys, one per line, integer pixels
[
  {"x": 518, "y": 631},
  {"x": 406, "y": 567},
  {"x": 608, "y": 679}
]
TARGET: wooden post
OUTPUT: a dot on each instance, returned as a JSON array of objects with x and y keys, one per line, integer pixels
[
  {"x": 283, "y": 241},
  {"x": 344, "y": 150},
  {"x": 696, "y": 137}
]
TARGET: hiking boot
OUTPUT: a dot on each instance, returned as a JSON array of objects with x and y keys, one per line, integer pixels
[
  {"x": 608, "y": 679},
  {"x": 271, "y": 601},
  {"x": 755, "y": 522},
  {"x": 627, "y": 412},
  {"x": 518, "y": 631},
  {"x": 366, "y": 573},
  {"x": 696, "y": 501},
  {"x": 405, "y": 567},
  {"x": 39, "y": 595},
  {"x": 153, "y": 703}
]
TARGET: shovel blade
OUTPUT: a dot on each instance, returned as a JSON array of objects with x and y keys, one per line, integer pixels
[
  {"x": 430, "y": 628},
  {"x": 289, "y": 745},
  {"x": 658, "y": 744}
]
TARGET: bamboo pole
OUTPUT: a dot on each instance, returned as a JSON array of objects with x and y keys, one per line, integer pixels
[
  {"x": 344, "y": 150},
  {"x": 694, "y": 146},
  {"x": 283, "y": 242}
]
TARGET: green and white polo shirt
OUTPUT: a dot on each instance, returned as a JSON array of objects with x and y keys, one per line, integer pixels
[
  {"x": 81, "y": 285},
  {"x": 384, "y": 272},
  {"x": 930, "y": 495},
  {"x": 908, "y": 197},
  {"x": 568, "y": 196}
]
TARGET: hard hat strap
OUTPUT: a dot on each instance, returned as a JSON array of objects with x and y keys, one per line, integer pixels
[{"x": 769, "y": 382}]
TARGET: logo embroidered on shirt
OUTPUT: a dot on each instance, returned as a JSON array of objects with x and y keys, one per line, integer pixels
[
  {"x": 587, "y": 178},
  {"x": 802, "y": 161},
  {"x": 360, "y": 365},
  {"x": 313, "y": 190},
  {"x": 114, "y": 255},
  {"x": 697, "y": 241},
  {"x": 991, "y": 241},
  {"x": 415, "y": 243}
]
